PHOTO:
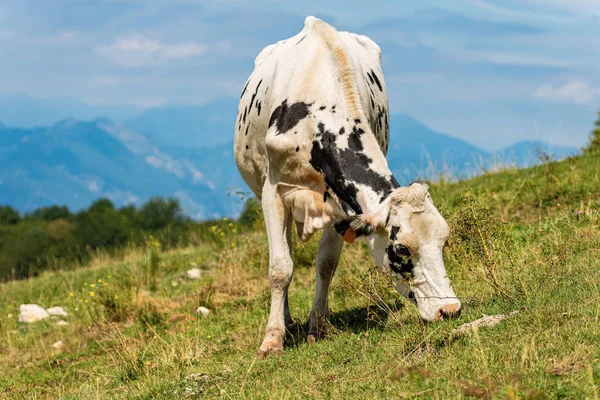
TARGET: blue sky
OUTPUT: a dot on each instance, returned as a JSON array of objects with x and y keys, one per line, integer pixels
[{"x": 490, "y": 72}]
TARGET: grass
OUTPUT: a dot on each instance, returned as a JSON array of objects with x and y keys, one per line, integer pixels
[{"x": 522, "y": 240}]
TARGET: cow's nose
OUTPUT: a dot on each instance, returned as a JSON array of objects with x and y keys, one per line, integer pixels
[{"x": 450, "y": 311}]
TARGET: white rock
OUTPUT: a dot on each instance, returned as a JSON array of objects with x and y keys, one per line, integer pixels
[
  {"x": 59, "y": 311},
  {"x": 203, "y": 310},
  {"x": 59, "y": 345},
  {"x": 32, "y": 313},
  {"x": 486, "y": 320},
  {"x": 193, "y": 273},
  {"x": 62, "y": 323}
]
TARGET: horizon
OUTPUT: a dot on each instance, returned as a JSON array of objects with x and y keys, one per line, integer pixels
[{"x": 516, "y": 71}]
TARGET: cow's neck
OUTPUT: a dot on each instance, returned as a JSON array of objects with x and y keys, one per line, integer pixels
[{"x": 354, "y": 167}]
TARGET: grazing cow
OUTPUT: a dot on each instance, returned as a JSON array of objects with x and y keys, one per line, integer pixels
[{"x": 311, "y": 137}]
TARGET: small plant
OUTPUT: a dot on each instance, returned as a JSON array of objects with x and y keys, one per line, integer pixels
[
  {"x": 593, "y": 145},
  {"x": 153, "y": 248}
]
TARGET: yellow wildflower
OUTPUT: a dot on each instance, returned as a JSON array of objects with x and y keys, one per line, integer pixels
[
  {"x": 92, "y": 294},
  {"x": 92, "y": 285},
  {"x": 71, "y": 294}
]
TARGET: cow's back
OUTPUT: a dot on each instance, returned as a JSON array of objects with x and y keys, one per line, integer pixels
[{"x": 296, "y": 89}]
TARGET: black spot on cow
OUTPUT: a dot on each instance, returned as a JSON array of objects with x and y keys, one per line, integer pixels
[
  {"x": 377, "y": 81},
  {"x": 371, "y": 78},
  {"x": 254, "y": 95},
  {"x": 342, "y": 130},
  {"x": 326, "y": 196},
  {"x": 258, "y": 107},
  {"x": 245, "y": 112},
  {"x": 247, "y": 147},
  {"x": 245, "y": 87},
  {"x": 297, "y": 149},
  {"x": 354, "y": 140},
  {"x": 322, "y": 108},
  {"x": 247, "y": 127},
  {"x": 333, "y": 109},
  {"x": 357, "y": 121},
  {"x": 399, "y": 259},
  {"x": 372, "y": 103},
  {"x": 343, "y": 169},
  {"x": 394, "y": 234},
  {"x": 285, "y": 118},
  {"x": 303, "y": 37}
]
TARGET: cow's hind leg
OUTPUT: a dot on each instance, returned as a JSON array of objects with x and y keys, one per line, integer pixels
[
  {"x": 279, "y": 223},
  {"x": 328, "y": 257}
]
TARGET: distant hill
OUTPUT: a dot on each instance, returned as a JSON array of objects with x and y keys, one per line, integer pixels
[
  {"x": 417, "y": 151},
  {"x": 208, "y": 125},
  {"x": 74, "y": 162},
  {"x": 26, "y": 112}
]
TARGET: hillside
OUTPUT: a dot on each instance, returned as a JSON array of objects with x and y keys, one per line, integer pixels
[{"x": 523, "y": 242}]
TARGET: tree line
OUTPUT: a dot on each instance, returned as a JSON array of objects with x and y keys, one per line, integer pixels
[{"x": 54, "y": 237}]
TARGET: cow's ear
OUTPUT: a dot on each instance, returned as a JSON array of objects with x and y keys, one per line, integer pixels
[{"x": 353, "y": 227}]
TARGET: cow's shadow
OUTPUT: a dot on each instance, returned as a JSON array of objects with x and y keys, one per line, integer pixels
[{"x": 355, "y": 320}]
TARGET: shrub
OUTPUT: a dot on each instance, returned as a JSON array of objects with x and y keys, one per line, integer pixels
[
  {"x": 9, "y": 216},
  {"x": 593, "y": 145}
]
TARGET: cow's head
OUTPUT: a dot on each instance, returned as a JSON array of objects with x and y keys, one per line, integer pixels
[{"x": 407, "y": 236}]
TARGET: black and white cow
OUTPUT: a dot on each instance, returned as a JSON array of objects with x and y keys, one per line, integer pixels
[{"x": 311, "y": 137}]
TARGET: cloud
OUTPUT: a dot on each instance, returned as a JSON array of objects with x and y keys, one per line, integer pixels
[
  {"x": 524, "y": 59},
  {"x": 138, "y": 51},
  {"x": 574, "y": 91}
]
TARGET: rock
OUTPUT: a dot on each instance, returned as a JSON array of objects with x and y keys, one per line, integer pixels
[
  {"x": 203, "y": 310},
  {"x": 486, "y": 320},
  {"x": 62, "y": 323},
  {"x": 193, "y": 273},
  {"x": 58, "y": 345},
  {"x": 58, "y": 311},
  {"x": 32, "y": 313}
]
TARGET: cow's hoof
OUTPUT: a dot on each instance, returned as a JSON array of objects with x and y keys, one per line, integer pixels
[{"x": 269, "y": 348}]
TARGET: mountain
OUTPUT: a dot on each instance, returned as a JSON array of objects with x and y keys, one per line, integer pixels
[
  {"x": 208, "y": 125},
  {"x": 74, "y": 163},
  {"x": 418, "y": 151},
  {"x": 528, "y": 152},
  {"x": 26, "y": 112}
]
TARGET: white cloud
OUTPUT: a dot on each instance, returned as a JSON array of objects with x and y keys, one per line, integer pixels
[
  {"x": 573, "y": 91},
  {"x": 523, "y": 59},
  {"x": 138, "y": 51}
]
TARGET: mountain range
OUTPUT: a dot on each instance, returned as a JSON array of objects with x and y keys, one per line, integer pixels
[{"x": 187, "y": 152}]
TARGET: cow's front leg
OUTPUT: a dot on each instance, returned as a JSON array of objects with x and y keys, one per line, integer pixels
[
  {"x": 279, "y": 223},
  {"x": 328, "y": 257}
]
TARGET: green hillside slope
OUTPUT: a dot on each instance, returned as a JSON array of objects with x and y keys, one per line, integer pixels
[{"x": 524, "y": 243}]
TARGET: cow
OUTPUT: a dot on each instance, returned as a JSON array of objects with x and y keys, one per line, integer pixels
[{"x": 312, "y": 133}]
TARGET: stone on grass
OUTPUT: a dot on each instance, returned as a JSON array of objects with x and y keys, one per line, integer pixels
[
  {"x": 58, "y": 311},
  {"x": 58, "y": 345},
  {"x": 62, "y": 323},
  {"x": 203, "y": 310},
  {"x": 193, "y": 273},
  {"x": 486, "y": 320},
  {"x": 32, "y": 313}
]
